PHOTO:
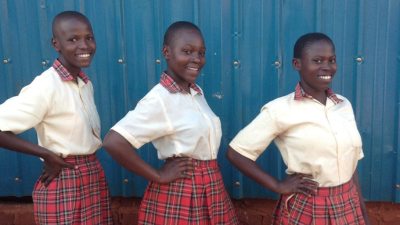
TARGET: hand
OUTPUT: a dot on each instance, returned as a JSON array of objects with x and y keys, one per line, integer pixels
[
  {"x": 296, "y": 184},
  {"x": 53, "y": 164},
  {"x": 173, "y": 170}
]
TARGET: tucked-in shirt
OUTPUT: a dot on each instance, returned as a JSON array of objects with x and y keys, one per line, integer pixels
[
  {"x": 313, "y": 138},
  {"x": 176, "y": 122},
  {"x": 62, "y": 112}
]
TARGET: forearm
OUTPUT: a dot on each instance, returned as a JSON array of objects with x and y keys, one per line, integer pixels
[
  {"x": 125, "y": 155},
  {"x": 362, "y": 203},
  {"x": 12, "y": 142},
  {"x": 252, "y": 170}
]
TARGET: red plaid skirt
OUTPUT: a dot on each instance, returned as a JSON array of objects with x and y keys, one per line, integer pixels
[
  {"x": 332, "y": 205},
  {"x": 76, "y": 196},
  {"x": 201, "y": 200}
]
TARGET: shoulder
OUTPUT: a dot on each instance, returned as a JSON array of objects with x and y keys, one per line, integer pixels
[
  {"x": 45, "y": 82},
  {"x": 154, "y": 96},
  {"x": 281, "y": 103},
  {"x": 341, "y": 97},
  {"x": 345, "y": 106},
  {"x": 48, "y": 78}
]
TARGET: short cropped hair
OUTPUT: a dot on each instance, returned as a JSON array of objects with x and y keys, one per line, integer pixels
[
  {"x": 174, "y": 28},
  {"x": 67, "y": 15},
  {"x": 306, "y": 40}
]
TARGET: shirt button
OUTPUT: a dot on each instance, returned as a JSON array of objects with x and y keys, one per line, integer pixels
[{"x": 213, "y": 153}]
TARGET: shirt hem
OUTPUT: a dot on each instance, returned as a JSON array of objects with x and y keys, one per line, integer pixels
[
  {"x": 127, "y": 136},
  {"x": 242, "y": 152}
]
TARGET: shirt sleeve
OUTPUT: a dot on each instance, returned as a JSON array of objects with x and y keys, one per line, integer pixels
[
  {"x": 255, "y": 137},
  {"x": 22, "y": 112},
  {"x": 147, "y": 122}
]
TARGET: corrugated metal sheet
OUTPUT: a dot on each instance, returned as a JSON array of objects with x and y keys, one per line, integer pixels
[{"x": 258, "y": 34}]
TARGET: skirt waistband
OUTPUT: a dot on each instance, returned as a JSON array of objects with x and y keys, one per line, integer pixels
[
  {"x": 80, "y": 159},
  {"x": 202, "y": 163},
  {"x": 327, "y": 191}
]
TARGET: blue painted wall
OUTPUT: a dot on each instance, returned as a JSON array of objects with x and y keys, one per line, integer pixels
[{"x": 257, "y": 34}]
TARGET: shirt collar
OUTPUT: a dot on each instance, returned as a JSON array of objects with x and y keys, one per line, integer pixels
[
  {"x": 299, "y": 93},
  {"x": 65, "y": 75},
  {"x": 172, "y": 87}
]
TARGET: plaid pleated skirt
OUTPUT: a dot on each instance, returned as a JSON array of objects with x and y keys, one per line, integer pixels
[
  {"x": 201, "y": 200},
  {"x": 330, "y": 206},
  {"x": 76, "y": 196}
]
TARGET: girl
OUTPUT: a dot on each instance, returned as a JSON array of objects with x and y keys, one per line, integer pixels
[
  {"x": 316, "y": 133},
  {"x": 175, "y": 116},
  {"x": 59, "y": 104}
]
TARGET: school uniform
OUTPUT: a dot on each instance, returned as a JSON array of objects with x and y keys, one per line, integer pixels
[
  {"x": 314, "y": 139},
  {"x": 180, "y": 124},
  {"x": 65, "y": 118}
]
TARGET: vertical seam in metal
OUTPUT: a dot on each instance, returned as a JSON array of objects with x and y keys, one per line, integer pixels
[
  {"x": 238, "y": 190},
  {"x": 359, "y": 50},
  {"x": 318, "y": 16}
]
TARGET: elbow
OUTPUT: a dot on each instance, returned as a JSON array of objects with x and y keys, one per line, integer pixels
[
  {"x": 107, "y": 143},
  {"x": 230, "y": 154}
]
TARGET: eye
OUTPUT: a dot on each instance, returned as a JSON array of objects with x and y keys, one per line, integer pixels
[
  {"x": 73, "y": 39},
  {"x": 90, "y": 38},
  {"x": 317, "y": 60},
  {"x": 202, "y": 53},
  {"x": 333, "y": 60},
  {"x": 187, "y": 51}
]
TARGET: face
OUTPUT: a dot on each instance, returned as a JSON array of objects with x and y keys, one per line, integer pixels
[
  {"x": 185, "y": 57},
  {"x": 317, "y": 67},
  {"x": 74, "y": 41}
]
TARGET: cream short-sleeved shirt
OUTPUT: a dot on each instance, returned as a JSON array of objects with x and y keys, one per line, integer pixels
[
  {"x": 178, "y": 124},
  {"x": 63, "y": 114},
  {"x": 313, "y": 139}
]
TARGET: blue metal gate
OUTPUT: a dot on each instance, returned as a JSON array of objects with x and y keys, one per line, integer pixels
[{"x": 249, "y": 51}]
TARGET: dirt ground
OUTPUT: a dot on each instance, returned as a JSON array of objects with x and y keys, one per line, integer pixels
[{"x": 19, "y": 211}]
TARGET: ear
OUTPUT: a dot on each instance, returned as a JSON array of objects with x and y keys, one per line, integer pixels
[
  {"x": 296, "y": 64},
  {"x": 55, "y": 45},
  {"x": 165, "y": 51}
]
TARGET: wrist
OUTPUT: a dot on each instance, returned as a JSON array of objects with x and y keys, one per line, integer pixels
[
  {"x": 47, "y": 155},
  {"x": 275, "y": 185}
]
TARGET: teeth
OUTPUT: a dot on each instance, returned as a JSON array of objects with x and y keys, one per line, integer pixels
[
  {"x": 191, "y": 68},
  {"x": 326, "y": 77},
  {"x": 84, "y": 55}
]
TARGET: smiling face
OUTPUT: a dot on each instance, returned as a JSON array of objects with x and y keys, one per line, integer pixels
[
  {"x": 185, "y": 57},
  {"x": 74, "y": 41},
  {"x": 317, "y": 67}
]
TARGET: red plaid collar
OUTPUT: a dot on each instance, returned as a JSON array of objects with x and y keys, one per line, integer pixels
[
  {"x": 299, "y": 93},
  {"x": 65, "y": 75},
  {"x": 167, "y": 82}
]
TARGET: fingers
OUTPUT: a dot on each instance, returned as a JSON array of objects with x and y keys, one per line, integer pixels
[
  {"x": 185, "y": 176},
  {"x": 70, "y": 166},
  {"x": 44, "y": 177},
  {"x": 302, "y": 175},
  {"x": 184, "y": 164},
  {"x": 302, "y": 191},
  {"x": 49, "y": 180},
  {"x": 300, "y": 183}
]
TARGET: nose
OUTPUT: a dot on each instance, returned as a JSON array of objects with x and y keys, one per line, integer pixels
[
  {"x": 326, "y": 66},
  {"x": 195, "y": 58},
  {"x": 83, "y": 44}
]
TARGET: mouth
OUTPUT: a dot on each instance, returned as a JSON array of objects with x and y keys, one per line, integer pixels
[
  {"x": 326, "y": 77},
  {"x": 192, "y": 68},
  {"x": 84, "y": 55}
]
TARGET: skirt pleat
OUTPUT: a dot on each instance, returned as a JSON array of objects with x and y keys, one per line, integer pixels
[
  {"x": 330, "y": 206},
  {"x": 76, "y": 196},
  {"x": 200, "y": 200}
]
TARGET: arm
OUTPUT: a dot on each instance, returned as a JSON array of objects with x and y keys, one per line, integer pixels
[
  {"x": 292, "y": 184},
  {"x": 123, "y": 152},
  {"x": 53, "y": 164},
  {"x": 362, "y": 203}
]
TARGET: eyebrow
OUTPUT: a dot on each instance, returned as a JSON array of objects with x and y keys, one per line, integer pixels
[{"x": 189, "y": 45}]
